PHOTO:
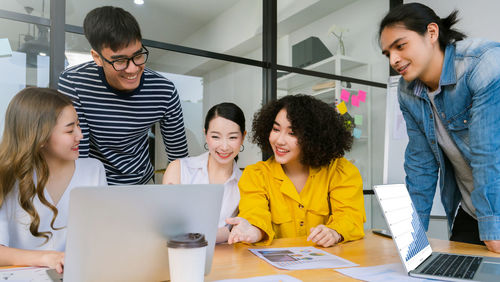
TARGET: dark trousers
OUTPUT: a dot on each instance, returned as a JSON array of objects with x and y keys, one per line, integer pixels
[{"x": 465, "y": 229}]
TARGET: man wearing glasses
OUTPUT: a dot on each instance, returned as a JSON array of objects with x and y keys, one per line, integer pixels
[{"x": 118, "y": 100}]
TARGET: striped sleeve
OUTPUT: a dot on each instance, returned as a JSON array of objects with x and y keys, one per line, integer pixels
[
  {"x": 65, "y": 86},
  {"x": 172, "y": 129}
]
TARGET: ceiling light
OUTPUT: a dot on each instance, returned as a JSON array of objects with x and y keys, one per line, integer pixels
[{"x": 139, "y": 2}]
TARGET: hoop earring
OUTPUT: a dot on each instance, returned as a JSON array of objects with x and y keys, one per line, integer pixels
[
  {"x": 242, "y": 148},
  {"x": 205, "y": 146}
]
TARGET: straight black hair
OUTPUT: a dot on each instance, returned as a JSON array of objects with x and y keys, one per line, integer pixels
[
  {"x": 228, "y": 111},
  {"x": 111, "y": 27},
  {"x": 416, "y": 17}
]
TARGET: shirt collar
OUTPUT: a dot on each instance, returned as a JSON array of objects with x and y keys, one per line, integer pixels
[
  {"x": 279, "y": 173},
  {"x": 201, "y": 162},
  {"x": 448, "y": 75}
]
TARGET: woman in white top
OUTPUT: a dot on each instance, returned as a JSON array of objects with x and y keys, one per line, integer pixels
[
  {"x": 224, "y": 134},
  {"x": 39, "y": 166}
]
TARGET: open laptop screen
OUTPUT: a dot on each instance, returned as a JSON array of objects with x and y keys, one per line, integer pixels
[{"x": 404, "y": 223}]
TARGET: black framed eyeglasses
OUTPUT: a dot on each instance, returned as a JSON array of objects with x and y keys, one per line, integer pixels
[{"x": 121, "y": 64}]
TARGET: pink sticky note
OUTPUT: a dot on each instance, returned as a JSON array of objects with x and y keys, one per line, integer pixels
[
  {"x": 362, "y": 95},
  {"x": 355, "y": 100},
  {"x": 344, "y": 95}
]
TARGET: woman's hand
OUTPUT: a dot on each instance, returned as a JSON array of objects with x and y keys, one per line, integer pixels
[
  {"x": 324, "y": 236},
  {"x": 243, "y": 231},
  {"x": 53, "y": 259}
]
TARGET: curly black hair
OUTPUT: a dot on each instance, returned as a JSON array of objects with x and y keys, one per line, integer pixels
[{"x": 320, "y": 130}]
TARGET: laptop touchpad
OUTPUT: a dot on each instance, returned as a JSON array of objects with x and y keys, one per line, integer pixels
[{"x": 490, "y": 268}]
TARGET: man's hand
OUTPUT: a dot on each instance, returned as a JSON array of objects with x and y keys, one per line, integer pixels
[{"x": 493, "y": 245}]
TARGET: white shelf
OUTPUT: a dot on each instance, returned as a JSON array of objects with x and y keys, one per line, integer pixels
[
  {"x": 294, "y": 80},
  {"x": 325, "y": 95}
]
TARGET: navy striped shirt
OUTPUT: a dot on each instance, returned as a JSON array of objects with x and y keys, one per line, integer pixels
[{"x": 115, "y": 124}]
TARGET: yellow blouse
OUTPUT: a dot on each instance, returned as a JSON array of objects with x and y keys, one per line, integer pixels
[{"x": 332, "y": 195}]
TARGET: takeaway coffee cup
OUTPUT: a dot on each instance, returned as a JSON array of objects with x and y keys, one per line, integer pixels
[{"x": 186, "y": 257}]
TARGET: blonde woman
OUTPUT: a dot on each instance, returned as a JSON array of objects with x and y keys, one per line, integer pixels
[{"x": 39, "y": 166}]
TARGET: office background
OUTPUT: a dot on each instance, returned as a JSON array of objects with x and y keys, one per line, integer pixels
[{"x": 236, "y": 50}]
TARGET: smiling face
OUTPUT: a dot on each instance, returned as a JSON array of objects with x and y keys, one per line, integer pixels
[
  {"x": 124, "y": 80},
  {"x": 224, "y": 139},
  {"x": 410, "y": 54},
  {"x": 65, "y": 138},
  {"x": 283, "y": 141}
]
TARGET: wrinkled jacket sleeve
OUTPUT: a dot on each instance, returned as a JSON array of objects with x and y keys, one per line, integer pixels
[
  {"x": 421, "y": 166},
  {"x": 346, "y": 201},
  {"x": 484, "y": 84},
  {"x": 254, "y": 202}
]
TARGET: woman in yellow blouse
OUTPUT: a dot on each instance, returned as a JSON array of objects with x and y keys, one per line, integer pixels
[{"x": 307, "y": 187}]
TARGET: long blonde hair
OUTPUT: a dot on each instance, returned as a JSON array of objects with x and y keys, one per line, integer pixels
[{"x": 30, "y": 118}]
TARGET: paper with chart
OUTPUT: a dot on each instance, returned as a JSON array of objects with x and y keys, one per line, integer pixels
[
  {"x": 301, "y": 258},
  {"x": 405, "y": 225},
  {"x": 25, "y": 274},
  {"x": 268, "y": 278},
  {"x": 394, "y": 272}
]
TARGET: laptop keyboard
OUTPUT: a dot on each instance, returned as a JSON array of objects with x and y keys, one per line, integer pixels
[{"x": 456, "y": 266}]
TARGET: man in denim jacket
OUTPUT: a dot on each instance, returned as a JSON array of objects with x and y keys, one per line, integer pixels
[{"x": 449, "y": 94}]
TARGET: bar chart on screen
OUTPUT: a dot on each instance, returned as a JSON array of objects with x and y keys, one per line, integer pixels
[{"x": 407, "y": 230}]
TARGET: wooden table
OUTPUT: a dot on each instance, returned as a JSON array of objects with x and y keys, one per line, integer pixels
[{"x": 235, "y": 261}]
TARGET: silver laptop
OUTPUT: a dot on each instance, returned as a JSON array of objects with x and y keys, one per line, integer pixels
[
  {"x": 120, "y": 233},
  {"x": 414, "y": 249}
]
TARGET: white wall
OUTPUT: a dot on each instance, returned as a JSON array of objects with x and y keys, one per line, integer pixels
[
  {"x": 241, "y": 85},
  {"x": 361, "y": 39},
  {"x": 478, "y": 18}
]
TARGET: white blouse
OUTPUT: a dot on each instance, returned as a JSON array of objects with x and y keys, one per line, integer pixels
[
  {"x": 194, "y": 171},
  {"x": 15, "y": 221}
]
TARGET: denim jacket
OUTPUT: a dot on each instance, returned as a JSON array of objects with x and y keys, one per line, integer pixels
[{"x": 469, "y": 108}]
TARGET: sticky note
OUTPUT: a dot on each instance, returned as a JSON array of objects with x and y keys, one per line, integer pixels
[
  {"x": 358, "y": 119},
  {"x": 362, "y": 95},
  {"x": 356, "y": 133},
  {"x": 355, "y": 100},
  {"x": 5, "y": 50},
  {"x": 342, "y": 108},
  {"x": 344, "y": 95}
]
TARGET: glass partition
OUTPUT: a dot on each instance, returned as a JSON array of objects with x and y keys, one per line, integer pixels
[
  {"x": 23, "y": 60},
  {"x": 230, "y": 27},
  {"x": 37, "y": 8}
]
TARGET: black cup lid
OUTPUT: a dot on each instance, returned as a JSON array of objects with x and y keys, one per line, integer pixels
[{"x": 187, "y": 241}]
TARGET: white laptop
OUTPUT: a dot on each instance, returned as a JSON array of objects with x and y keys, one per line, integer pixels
[
  {"x": 413, "y": 246},
  {"x": 119, "y": 233}
]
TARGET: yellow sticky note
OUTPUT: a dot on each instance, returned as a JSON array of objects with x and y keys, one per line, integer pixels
[{"x": 342, "y": 108}]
